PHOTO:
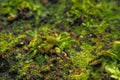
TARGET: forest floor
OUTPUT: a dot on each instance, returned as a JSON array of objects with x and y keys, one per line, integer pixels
[{"x": 59, "y": 40}]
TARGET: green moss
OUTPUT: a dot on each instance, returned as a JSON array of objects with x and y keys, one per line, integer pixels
[{"x": 60, "y": 39}]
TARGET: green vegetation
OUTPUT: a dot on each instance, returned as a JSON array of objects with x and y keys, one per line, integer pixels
[{"x": 59, "y": 39}]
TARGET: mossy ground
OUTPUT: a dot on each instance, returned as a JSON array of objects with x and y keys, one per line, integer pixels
[{"x": 59, "y": 39}]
